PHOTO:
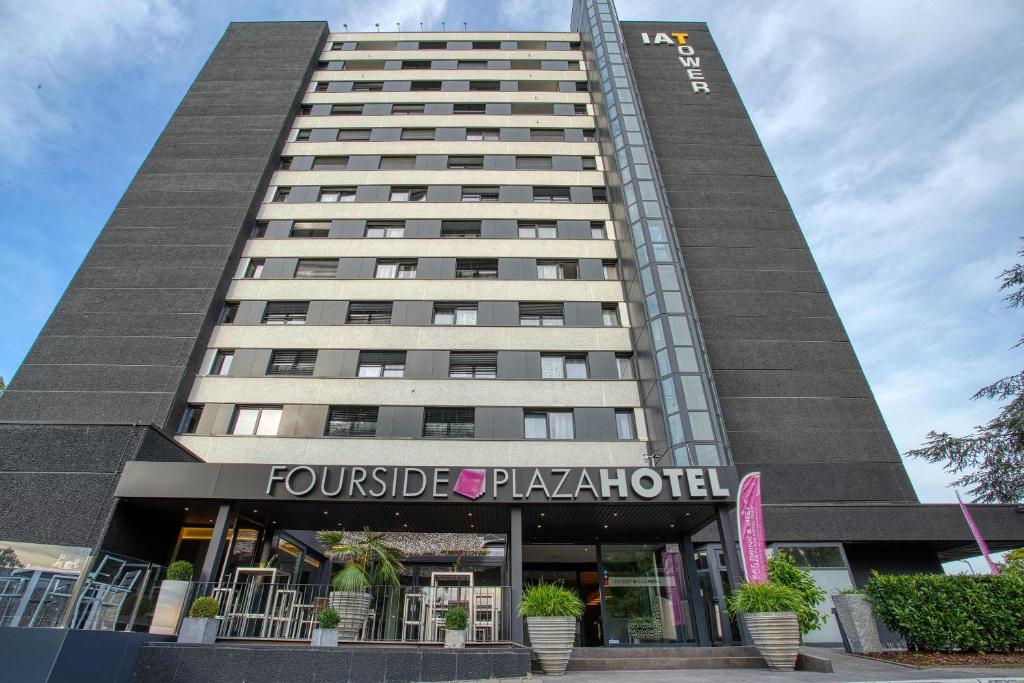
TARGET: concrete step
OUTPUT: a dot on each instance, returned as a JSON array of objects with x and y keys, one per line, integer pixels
[
  {"x": 665, "y": 651},
  {"x": 664, "y": 658}
]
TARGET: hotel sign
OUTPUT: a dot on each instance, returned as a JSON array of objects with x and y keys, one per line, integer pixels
[{"x": 686, "y": 55}]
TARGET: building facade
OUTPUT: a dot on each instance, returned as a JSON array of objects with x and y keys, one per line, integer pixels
[{"x": 516, "y": 261}]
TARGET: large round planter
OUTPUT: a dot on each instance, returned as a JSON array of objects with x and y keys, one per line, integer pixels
[
  {"x": 776, "y": 636},
  {"x": 552, "y": 639},
  {"x": 352, "y": 607}
]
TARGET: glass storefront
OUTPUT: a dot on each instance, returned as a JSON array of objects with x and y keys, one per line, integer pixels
[{"x": 645, "y": 599}]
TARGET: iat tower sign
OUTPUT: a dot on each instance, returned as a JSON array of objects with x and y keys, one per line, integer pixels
[{"x": 687, "y": 57}]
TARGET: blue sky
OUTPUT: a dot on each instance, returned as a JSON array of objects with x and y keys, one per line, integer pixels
[{"x": 897, "y": 130}]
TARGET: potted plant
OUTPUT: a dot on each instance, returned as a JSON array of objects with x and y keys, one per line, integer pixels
[
  {"x": 367, "y": 561},
  {"x": 171, "y": 599},
  {"x": 857, "y": 621},
  {"x": 200, "y": 626},
  {"x": 644, "y": 629},
  {"x": 769, "y": 611},
  {"x": 327, "y": 634},
  {"x": 455, "y": 620},
  {"x": 551, "y": 611}
]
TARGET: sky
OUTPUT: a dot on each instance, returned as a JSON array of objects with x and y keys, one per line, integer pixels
[{"x": 897, "y": 130}]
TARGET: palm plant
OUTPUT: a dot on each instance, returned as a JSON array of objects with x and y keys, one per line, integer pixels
[{"x": 367, "y": 559}]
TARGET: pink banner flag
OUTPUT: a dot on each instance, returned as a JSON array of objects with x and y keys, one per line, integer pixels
[
  {"x": 750, "y": 521},
  {"x": 977, "y": 535}
]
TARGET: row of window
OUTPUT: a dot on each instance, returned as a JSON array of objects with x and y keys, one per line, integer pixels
[
  {"x": 445, "y": 108},
  {"x": 449, "y": 86},
  {"x": 450, "y": 161},
  {"x": 406, "y": 269},
  {"x": 452, "y": 134},
  {"x": 374, "y": 45},
  {"x": 438, "y": 423},
  {"x": 396, "y": 229},
  {"x": 531, "y": 314},
  {"x": 461, "y": 364},
  {"x": 449, "y": 64},
  {"x": 418, "y": 193}
]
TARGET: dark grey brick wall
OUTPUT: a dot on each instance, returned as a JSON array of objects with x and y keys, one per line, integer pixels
[
  {"x": 795, "y": 400},
  {"x": 124, "y": 341}
]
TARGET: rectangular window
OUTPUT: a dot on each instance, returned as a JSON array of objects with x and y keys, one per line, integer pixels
[
  {"x": 465, "y": 162},
  {"x": 346, "y": 109},
  {"x": 367, "y": 86},
  {"x": 330, "y": 163},
  {"x": 408, "y": 194},
  {"x": 599, "y": 195},
  {"x": 473, "y": 365},
  {"x": 228, "y": 313},
  {"x": 378, "y": 229},
  {"x": 460, "y": 229},
  {"x": 610, "y": 270},
  {"x": 485, "y": 85},
  {"x": 538, "y": 230},
  {"x": 480, "y": 269},
  {"x": 483, "y": 134},
  {"x": 550, "y": 424},
  {"x": 407, "y": 109},
  {"x": 486, "y": 44},
  {"x": 589, "y": 163},
  {"x": 472, "y": 64},
  {"x": 454, "y": 314},
  {"x": 589, "y": 135},
  {"x": 292, "y": 362},
  {"x": 559, "y": 195},
  {"x": 256, "y": 420},
  {"x": 369, "y": 313},
  {"x": 321, "y": 86},
  {"x": 425, "y": 86},
  {"x": 334, "y": 195},
  {"x": 353, "y": 134},
  {"x": 316, "y": 268},
  {"x": 418, "y": 133},
  {"x": 221, "y": 364},
  {"x": 286, "y": 163},
  {"x": 313, "y": 229},
  {"x": 479, "y": 194},
  {"x": 542, "y": 314},
  {"x": 258, "y": 230},
  {"x": 351, "y": 421},
  {"x": 469, "y": 108},
  {"x": 597, "y": 231},
  {"x": 395, "y": 270},
  {"x": 281, "y": 194},
  {"x": 533, "y": 163},
  {"x": 562, "y": 366},
  {"x": 381, "y": 364},
  {"x": 557, "y": 270},
  {"x": 303, "y": 134},
  {"x": 255, "y": 268},
  {"x": 190, "y": 419},
  {"x": 397, "y": 163},
  {"x": 285, "y": 313},
  {"x": 448, "y": 423},
  {"x": 610, "y": 315},
  {"x": 433, "y": 45},
  {"x": 624, "y": 427},
  {"x": 624, "y": 366},
  {"x": 547, "y": 135},
  {"x": 417, "y": 64},
  {"x": 579, "y": 109}
]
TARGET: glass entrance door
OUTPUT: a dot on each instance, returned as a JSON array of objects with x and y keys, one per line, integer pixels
[{"x": 644, "y": 595}]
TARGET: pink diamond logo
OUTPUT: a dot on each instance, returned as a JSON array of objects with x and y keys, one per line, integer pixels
[{"x": 471, "y": 483}]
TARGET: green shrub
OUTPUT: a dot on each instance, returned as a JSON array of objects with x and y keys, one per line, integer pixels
[
  {"x": 754, "y": 598},
  {"x": 940, "y": 613},
  {"x": 180, "y": 571},
  {"x": 456, "y": 618},
  {"x": 204, "y": 608},
  {"x": 328, "y": 618},
  {"x": 783, "y": 571},
  {"x": 1013, "y": 562},
  {"x": 550, "y": 600}
]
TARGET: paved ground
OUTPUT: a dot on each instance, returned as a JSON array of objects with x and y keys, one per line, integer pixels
[{"x": 847, "y": 669}]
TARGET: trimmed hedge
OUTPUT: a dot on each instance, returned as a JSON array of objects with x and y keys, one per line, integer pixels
[{"x": 940, "y": 613}]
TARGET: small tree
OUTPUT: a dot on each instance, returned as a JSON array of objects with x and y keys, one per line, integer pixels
[
  {"x": 368, "y": 560},
  {"x": 1013, "y": 563},
  {"x": 783, "y": 571},
  {"x": 9, "y": 558}
]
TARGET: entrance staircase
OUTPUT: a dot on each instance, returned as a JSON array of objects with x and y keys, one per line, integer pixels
[{"x": 664, "y": 658}]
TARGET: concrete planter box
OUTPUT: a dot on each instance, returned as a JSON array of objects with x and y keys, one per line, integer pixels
[
  {"x": 198, "y": 630},
  {"x": 552, "y": 640},
  {"x": 455, "y": 640},
  {"x": 325, "y": 637},
  {"x": 776, "y": 636},
  {"x": 170, "y": 603},
  {"x": 352, "y": 607},
  {"x": 858, "y": 622}
]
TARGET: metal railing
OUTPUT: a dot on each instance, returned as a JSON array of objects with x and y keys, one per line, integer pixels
[{"x": 268, "y": 608}]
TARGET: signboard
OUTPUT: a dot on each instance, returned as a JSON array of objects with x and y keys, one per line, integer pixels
[
  {"x": 750, "y": 520},
  {"x": 686, "y": 56}
]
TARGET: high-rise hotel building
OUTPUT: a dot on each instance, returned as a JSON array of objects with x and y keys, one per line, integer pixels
[{"x": 552, "y": 277}]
